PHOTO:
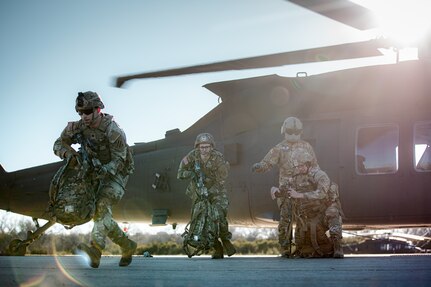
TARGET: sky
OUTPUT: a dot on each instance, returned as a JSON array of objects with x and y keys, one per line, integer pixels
[{"x": 52, "y": 49}]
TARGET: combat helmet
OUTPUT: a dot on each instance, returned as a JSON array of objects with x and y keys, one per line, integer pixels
[
  {"x": 88, "y": 100},
  {"x": 292, "y": 129},
  {"x": 291, "y": 125},
  {"x": 301, "y": 156},
  {"x": 204, "y": 138}
]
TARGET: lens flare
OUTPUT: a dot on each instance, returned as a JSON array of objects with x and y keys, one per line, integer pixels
[{"x": 62, "y": 268}]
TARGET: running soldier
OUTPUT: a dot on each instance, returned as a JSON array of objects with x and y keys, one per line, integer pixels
[
  {"x": 109, "y": 163},
  {"x": 207, "y": 171}
]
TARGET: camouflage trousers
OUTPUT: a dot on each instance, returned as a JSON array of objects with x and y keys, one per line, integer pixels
[
  {"x": 285, "y": 227},
  {"x": 109, "y": 193},
  {"x": 220, "y": 203},
  {"x": 334, "y": 221}
]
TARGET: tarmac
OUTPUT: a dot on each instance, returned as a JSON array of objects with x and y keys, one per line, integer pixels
[{"x": 371, "y": 270}]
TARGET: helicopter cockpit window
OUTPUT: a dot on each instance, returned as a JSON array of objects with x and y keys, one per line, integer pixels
[
  {"x": 422, "y": 142},
  {"x": 377, "y": 149}
]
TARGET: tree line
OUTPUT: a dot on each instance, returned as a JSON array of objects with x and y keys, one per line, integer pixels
[
  {"x": 162, "y": 243},
  {"x": 256, "y": 241}
]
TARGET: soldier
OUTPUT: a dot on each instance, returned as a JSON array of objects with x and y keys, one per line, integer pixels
[
  {"x": 281, "y": 156},
  {"x": 111, "y": 163},
  {"x": 207, "y": 171},
  {"x": 316, "y": 208}
]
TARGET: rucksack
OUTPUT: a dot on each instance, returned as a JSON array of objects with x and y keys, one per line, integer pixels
[
  {"x": 202, "y": 230},
  {"x": 311, "y": 239},
  {"x": 72, "y": 196}
]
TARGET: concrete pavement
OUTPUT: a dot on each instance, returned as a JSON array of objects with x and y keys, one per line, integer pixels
[{"x": 407, "y": 270}]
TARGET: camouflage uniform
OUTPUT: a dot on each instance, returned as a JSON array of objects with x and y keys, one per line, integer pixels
[
  {"x": 107, "y": 145},
  {"x": 318, "y": 211},
  {"x": 215, "y": 171},
  {"x": 281, "y": 156}
]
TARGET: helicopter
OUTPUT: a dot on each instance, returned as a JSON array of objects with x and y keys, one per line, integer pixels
[{"x": 369, "y": 126}]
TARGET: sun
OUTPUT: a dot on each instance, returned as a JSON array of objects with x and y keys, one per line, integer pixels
[{"x": 405, "y": 21}]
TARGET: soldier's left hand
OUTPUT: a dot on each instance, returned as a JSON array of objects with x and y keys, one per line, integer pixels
[
  {"x": 294, "y": 194},
  {"x": 257, "y": 167},
  {"x": 102, "y": 172}
]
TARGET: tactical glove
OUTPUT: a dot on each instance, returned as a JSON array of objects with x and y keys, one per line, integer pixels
[
  {"x": 257, "y": 167},
  {"x": 70, "y": 153},
  {"x": 102, "y": 172},
  {"x": 188, "y": 174},
  {"x": 72, "y": 156},
  {"x": 275, "y": 191},
  {"x": 203, "y": 191}
]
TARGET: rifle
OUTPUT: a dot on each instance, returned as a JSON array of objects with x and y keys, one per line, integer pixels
[
  {"x": 88, "y": 160},
  {"x": 200, "y": 180}
]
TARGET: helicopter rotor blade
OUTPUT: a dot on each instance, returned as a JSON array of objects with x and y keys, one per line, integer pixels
[
  {"x": 328, "y": 53},
  {"x": 342, "y": 11}
]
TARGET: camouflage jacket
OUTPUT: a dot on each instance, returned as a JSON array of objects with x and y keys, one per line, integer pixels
[
  {"x": 215, "y": 172},
  {"x": 106, "y": 143},
  {"x": 281, "y": 156},
  {"x": 313, "y": 185}
]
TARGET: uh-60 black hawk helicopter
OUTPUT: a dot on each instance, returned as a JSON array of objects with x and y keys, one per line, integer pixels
[{"x": 370, "y": 128}]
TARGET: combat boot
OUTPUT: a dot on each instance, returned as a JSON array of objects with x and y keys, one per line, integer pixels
[
  {"x": 285, "y": 253},
  {"x": 128, "y": 248},
  {"x": 218, "y": 250},
  {"x": 228, "y": 246},
  {"x": 93, "y": 253},
  {"x": 338, "y": 250}
]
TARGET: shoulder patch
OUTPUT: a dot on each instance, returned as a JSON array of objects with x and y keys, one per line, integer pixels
[
  {"x": 321, "y": 175},
  {"x": 185, "y": 160},
  {"x": 114, "y": 136},
  {"x": 71, "y": 128},
  {"x": 218, "y": 153},
  {"x": 114, "y": 133}
]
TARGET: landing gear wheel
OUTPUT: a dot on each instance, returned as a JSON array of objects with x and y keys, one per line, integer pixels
[{"x": 17, "y": 248}]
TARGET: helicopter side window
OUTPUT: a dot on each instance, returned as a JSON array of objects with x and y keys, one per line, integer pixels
[
  {"x": 422, "y": 148},
  {"x": 377, "y": 149}
]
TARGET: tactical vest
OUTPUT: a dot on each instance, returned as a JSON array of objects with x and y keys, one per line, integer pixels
[
  {"x": 307, "y": 208},
  {"x": 285, "y": 159},
  {"x": 209, "y": 171},
  {"x": 99, "y": 142}
]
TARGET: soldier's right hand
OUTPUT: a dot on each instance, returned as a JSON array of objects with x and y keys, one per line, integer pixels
[
  {"x": 275, "y": 191},
  {"x": 204, "y": 192},
  {"x": 73, "y": 156},
  {"x": 189, "y": 174},
  {"x": 257, "y": 167}
]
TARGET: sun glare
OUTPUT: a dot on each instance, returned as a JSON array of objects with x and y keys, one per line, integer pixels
[{"x": 404, "y": 21}]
